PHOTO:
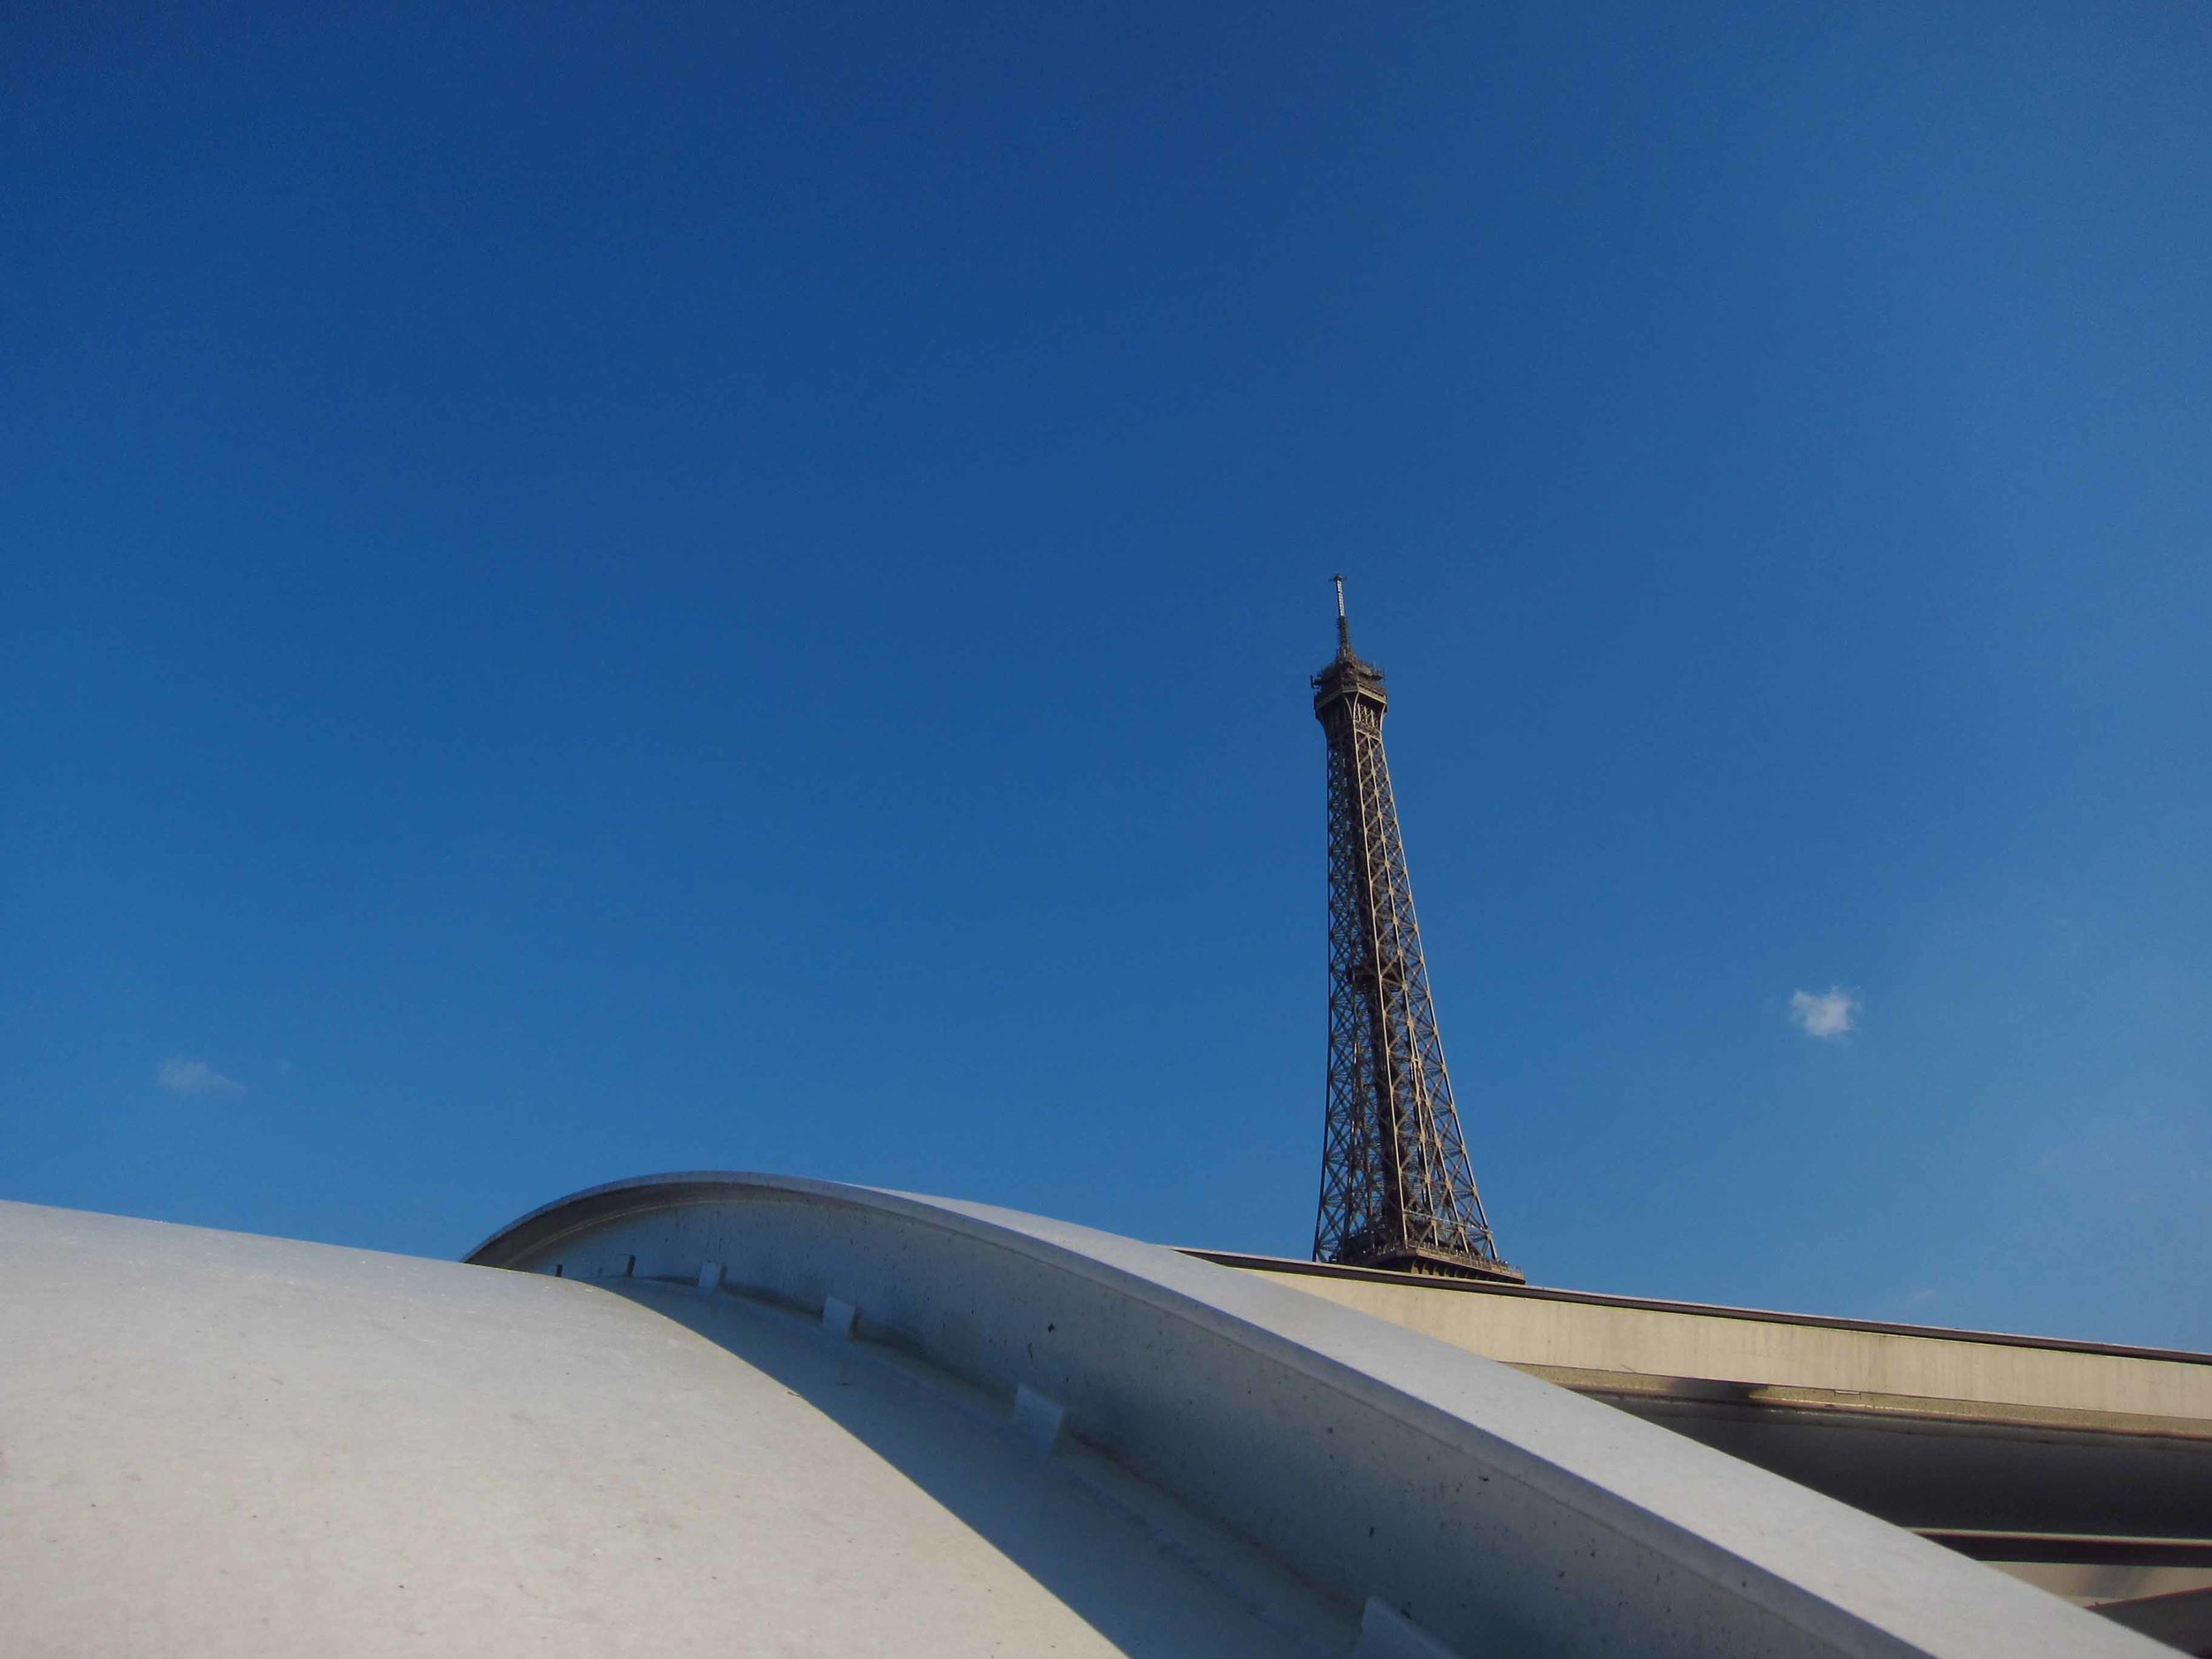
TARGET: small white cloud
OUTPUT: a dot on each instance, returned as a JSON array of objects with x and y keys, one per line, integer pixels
[
  {"x": 180, "y": 1076},
  {"x": 1826, "y": 1015}
]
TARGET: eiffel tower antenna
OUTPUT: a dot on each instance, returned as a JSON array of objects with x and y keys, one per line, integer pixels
[{"x": 1397, "y": 1190}]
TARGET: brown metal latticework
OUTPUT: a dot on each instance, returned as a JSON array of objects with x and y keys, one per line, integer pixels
[{"x": 1397, "y": 1190}]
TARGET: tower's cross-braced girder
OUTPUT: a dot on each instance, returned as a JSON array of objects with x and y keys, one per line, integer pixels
[{"x": 1397, "y": 1190}]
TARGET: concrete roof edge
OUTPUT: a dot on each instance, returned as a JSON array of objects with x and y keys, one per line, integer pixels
[
  {"x": 1249, "y": 1262},
  {"x": 1818, "y": 1564}
]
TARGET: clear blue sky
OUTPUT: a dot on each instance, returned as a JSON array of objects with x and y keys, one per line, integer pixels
[{"x": 588, "y": 593}]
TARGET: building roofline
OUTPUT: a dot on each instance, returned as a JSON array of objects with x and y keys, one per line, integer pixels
[
  {"x": 1545, "y": 1293},
  {"x": 1488, "y": 1505}
]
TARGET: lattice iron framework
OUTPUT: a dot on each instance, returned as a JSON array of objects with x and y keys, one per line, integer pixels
[{"x": 1397, "y": 1189}]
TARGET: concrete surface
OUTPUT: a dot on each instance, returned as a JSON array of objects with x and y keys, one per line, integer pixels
[
  {"x": 1497, "y": 1512},
  {"x": 755, "y": 1414},
  {"x": 1573, "y": 1331},
  {"x": 2085, "y": 1469},
  {"x": 213, "y": 1444}
]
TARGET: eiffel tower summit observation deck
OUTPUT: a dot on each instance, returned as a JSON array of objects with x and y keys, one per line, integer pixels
[{"x": 1397, "y": 1189}]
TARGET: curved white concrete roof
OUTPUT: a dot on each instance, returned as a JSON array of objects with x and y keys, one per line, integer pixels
[{"x": 217, "y": 1444}]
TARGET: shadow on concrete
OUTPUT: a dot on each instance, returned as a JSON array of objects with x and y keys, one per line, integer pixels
[{"x": 1128, "y": 1580}]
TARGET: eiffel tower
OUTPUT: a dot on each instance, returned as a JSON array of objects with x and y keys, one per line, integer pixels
[{"x": 1397, "y": 1190}]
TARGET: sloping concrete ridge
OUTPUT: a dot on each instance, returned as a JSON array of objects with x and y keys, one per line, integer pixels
[{"x": 1437, "y": 1501}]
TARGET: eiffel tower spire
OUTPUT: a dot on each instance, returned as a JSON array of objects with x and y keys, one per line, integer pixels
[{"x": 1397, "y": 1190}]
